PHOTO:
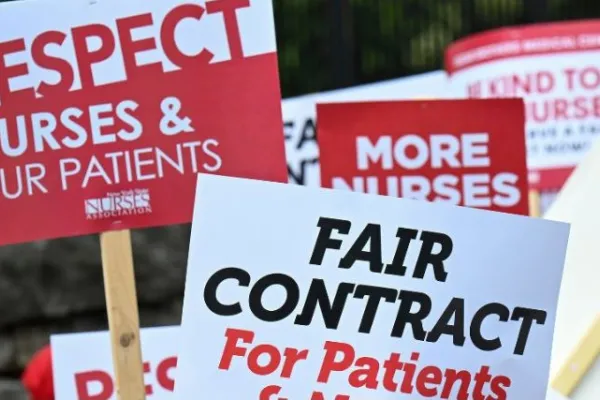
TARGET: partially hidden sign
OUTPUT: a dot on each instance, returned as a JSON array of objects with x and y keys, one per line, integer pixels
[
  {"x": 464, "y": 152},
  {"x": 109, "y": 109},
  {"x": 317, "y": 294},
  {"x": 92, "y": 378}
]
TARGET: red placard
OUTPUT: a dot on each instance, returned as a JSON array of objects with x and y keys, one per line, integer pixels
[
  {"x": 133, "y": 100},
  {"x": 465, "y": 152}
]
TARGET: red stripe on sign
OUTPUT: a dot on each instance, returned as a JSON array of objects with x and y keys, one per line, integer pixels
[{"x": 506, "y": 43}]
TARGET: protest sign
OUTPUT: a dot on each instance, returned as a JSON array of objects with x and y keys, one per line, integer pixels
[
  {"x": 108, "y": 111},
  {"x": 110, "y": 108},
  {"x": 91, "y": 377},
  {"x": 554, "y": 68},
  {"x": 355, "y": 296},
  {"x": 465, "y": 152},
  {"x": 300, "y": 116}
]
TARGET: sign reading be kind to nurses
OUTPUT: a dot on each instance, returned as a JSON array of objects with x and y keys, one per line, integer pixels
[
  {"x": 355, "y": 296},
  {"x": 109, "y": 109}
]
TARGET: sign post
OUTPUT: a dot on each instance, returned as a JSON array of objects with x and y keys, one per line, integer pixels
[
  {"x": 106, "y": 140},
  {"x": 579, "y": 362},
  {"x": 123, "y": 316},
  {"x": 534, "y": 203},
  {"x": 317, "y": 316}
]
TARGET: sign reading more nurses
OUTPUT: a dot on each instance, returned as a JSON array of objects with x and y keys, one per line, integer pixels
[
  {"x": 109, "y": 109},
  {"x": 469, "y": 153},
  {"x": 355, "y": 296}
]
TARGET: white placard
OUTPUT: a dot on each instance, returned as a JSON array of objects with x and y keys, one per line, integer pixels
[
  {"x": 83, "y": 370},
  {"x": 300, "y": 116},
  {"x": 263, "y": 254}
]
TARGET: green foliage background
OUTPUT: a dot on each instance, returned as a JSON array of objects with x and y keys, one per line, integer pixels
[
  {"x": 391, "y": 38},
  {"x": 384, "y": 39}
]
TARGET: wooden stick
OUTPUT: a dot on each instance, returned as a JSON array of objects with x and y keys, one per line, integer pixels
[
  {"x": 535, "y": 205},
  {"x": 579, "y": 362},
  {"x": 123, "y": 316}
]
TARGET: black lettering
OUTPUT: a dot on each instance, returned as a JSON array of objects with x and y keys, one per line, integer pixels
[
  {"x": 324, "y": 240},
  {"x": 397, "y": 267},
  {"x": 299, "y": 178},
  {"x": 331, "y": 311},
  {"x": 309, "y": 133},
  {"x": 476, "y": 337},
  {"x": 370, "y": 236},
  {"x": 427, "y": 257},
  {"x": 287, "y": 127},
  {"x": 528, "y": 315},
  {"x": 374, "y": 295},
  {"x": 405, "y": 317},
  {"x": 212, "y": 285},
  {"x": 455, "y": 311},
  {"x": 292, "y": 296}
]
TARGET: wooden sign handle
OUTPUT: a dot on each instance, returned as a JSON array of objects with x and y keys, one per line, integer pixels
[
  {"x": 579, "y": 362},
  {"x": 123, "y": 316},
  {"x": 535, "y": 205}
]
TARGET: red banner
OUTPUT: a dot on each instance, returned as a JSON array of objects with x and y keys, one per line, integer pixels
[
  {"x": 93, "y": 139},
  {"x": 465, "y": 152}
]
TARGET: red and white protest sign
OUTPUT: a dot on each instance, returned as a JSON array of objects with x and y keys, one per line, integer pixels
[
  {"x": 313, "y": 294},
  {"x": 109, "y": 109},
  {"x": 554, "y": 67},
  {"x": 91, "y": 377},
  {"x": 465, "y": 152}
]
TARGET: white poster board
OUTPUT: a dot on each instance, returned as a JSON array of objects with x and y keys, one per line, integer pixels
[
  {"x": 83, "y": 370},
  {"x": 92, "y": 373},
  {"x": 300, "y": 116},
  {"x": 554, "y": 68},
  {"x": 438, "y": 315}
]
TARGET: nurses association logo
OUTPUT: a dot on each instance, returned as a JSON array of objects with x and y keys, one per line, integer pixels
[{"x": 119, "y": 204}]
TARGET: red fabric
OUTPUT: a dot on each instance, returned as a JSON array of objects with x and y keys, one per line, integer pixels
[{"x": 37, "y": 377}]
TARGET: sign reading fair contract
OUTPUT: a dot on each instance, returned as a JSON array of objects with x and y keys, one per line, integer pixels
[
  {"x": 91, "y": 377},
  {"x": 109, "y": 109},
  {"x": 470, "y": 153},
  {"x": 355, "y": 296}
]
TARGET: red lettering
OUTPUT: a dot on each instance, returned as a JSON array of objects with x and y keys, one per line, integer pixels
[
  {"x": 44, "y": 60},
  {"x": 269, "y": 392},
  {"x": 570, "y": 75},
  {"x": 452, "y": 377},
  {"x": 147, "y": 370},
  {"x": 430, "y": 375},
  {"x": 229, "y": 8},
  {"x": 86, "y": 57},
  {"x": 291, "y": 357},
  {"x": 320, "y": 396},
  {"x": 590, "y": 78},
  {"x": 167, "y": 35},
  {"x": 499, "y": 385},
  {"x": 130, "y": 47},
  {"x": 82, "y": 380},
  {"x": 231, "y": 348},
  {"x": 162, "y": 373},
  {"x": 330, "y": 364},
  {"x": 12, "y": 71},
  {"x": 274, "y": 358}
]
